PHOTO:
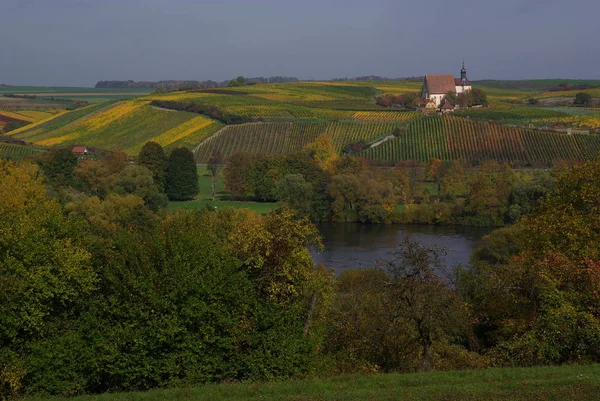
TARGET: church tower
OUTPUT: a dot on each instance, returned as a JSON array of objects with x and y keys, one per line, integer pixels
[{"x": 463, "y": 75}]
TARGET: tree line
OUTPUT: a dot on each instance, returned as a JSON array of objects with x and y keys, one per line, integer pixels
[{"x": 318, "y": 183}]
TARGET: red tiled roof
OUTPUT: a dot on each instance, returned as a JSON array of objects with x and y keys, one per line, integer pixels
[
  {"x": 458, "y": 82},
  {"x": 79, "y": 149},
  {"x": 440, "y": 84}
]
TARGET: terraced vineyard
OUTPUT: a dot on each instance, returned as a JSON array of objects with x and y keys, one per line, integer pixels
[
  {"x": 13, "y": 152},
  {"x": 287, "y": 137},
  {"x": 453, "y": 138}
]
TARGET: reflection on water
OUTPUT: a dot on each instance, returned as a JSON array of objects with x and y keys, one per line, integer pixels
[{"x": 349, "y": 245}]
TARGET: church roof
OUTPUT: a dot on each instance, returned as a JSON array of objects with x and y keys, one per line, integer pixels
[
  {"x": 458, "y": 82},
  {"x": 440, "y": 83}
]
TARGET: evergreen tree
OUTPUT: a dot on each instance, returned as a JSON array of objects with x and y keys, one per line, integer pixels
[
  {"x": 153, "y": 157},
  {"x": 182, "y": 175}
]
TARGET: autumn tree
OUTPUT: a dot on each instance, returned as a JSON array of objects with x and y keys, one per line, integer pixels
[
  {"x": 540, "y": 279},
  {"x": 238, "y": 175},
  {"x": 182, "y": 175},
  {"x": 323, "y": 151}
]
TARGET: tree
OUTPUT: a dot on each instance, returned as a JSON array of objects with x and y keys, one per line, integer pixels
[
  {"x": 583, "y": 99},
  {"x": 138, "y": 181},
  {"x": 479, "y": 97},
  {"x": 153, "y": 157},
  {"x": 59, "y": 166},
  {"x": 450, "y": 97},
  {"x": 296, "y": 193},
  {"x": 238, "y": 175},
  {"x": 214, "y": 164},
  {"x": 434, "y": 310},
  {"x": 182, "y": 175},
  {"x": 323, "y": 151}
]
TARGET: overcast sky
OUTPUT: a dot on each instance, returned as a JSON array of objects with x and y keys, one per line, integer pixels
[{"x": 78, "y": 42}]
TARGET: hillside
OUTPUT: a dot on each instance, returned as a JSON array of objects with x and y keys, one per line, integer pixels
[
  {"x": 14, "y": 152},
  {"x": 575, "y": 383},
  {"x": 282, "y": 118}
]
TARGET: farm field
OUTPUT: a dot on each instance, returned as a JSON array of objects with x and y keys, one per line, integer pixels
[
  {"x": 576, "y": 383},
  {"x": 454, "y": 138},
  {"x": 284, "y": 138}
]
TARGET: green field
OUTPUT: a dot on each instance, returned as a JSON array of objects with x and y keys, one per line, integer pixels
[
  {"x": 573, "y": 383},
  {"x": 204, "y": 199}
]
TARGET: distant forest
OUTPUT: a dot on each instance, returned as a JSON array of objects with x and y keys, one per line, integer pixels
[{"x": 177, "y": 84}]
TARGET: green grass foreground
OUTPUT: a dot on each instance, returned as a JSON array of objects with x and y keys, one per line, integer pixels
[{"x": 540, "y": 383}]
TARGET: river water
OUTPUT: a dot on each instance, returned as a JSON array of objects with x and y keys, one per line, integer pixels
[{"x": 352, "y": 245}]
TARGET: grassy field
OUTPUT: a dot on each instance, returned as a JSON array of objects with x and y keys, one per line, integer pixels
[
  {"x": 222, "y": 200},
  {"x": 571, "y": 383}
]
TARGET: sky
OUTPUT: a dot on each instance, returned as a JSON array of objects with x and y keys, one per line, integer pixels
[{"x": 79, "y": 42}]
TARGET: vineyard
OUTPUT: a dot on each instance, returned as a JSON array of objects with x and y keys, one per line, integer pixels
[
  {"x": 287, "y": 137},
  {"x": 123, "y": 125},
  {"x": 452, "y": 138},
  {"x": 13, "y": 152}
]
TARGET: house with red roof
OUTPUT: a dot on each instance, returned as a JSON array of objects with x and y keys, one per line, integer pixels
[
  {"x": 436, "y": 86},
  {"x": 79, "y": 150}
]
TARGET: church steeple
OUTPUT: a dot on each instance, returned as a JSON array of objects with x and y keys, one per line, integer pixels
[{"x": 463, "y": 74}]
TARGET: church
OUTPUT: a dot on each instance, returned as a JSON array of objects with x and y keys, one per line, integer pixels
[{"x": 435, "y": 87}]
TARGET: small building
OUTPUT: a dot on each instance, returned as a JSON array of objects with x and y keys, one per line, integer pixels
[
  {"x": 447, "y": 107},
  {"x": 80, "y": 150},
  {"x": 427, "y": 106},
  {"x": 436, "y": 86}
]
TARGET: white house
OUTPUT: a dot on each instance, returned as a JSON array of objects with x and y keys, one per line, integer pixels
[{"x": 436, "y": 86}]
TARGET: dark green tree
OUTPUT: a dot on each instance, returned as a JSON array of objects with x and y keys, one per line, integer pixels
[
  {"x": 59, "y": 165},
  {"x": 582, "y": 99},
  {"x": 153, "y": 157},
  {"x": 182, "y": 175}
]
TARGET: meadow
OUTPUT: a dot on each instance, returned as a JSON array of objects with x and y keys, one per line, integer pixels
[{"x": 576, "y": 383}]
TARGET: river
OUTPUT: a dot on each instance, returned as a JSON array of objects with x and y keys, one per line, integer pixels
[{"x": 351, "y": 245}]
